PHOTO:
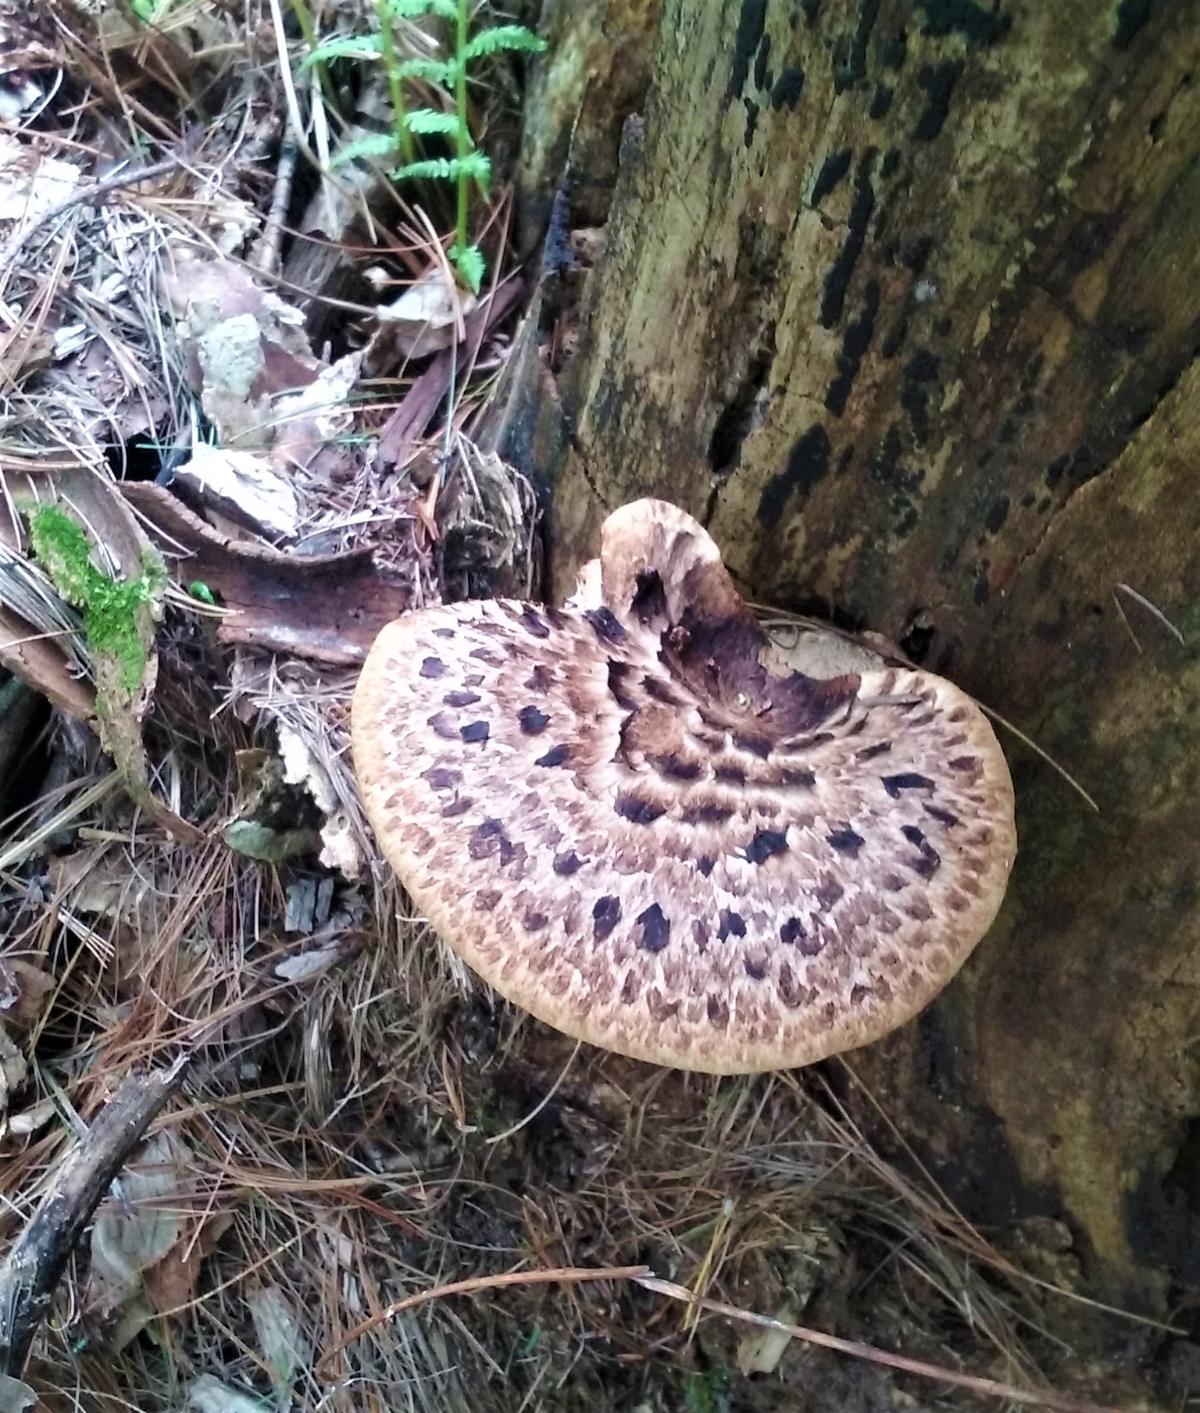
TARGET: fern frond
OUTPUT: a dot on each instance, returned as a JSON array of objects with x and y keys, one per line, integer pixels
[
  {"x": 376, "y": 144},
  {"x": 439, "y": 71},
  {"x": 414, "y": 9},
  {"x": 474, "y": 167},
  {"x": 426, "y": 120},
  {"x": 502, "y": 37},
  {"x": 347, "y": 46}
]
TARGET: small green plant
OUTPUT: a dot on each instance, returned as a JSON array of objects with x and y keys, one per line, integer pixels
[
  {"x": 704, "y": 1392},
  {"x": 468, "y": 166},
  {"x": 113, "y": 618}
]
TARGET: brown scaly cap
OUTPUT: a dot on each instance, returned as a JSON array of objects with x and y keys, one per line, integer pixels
[{"x": 632, "y": 819}]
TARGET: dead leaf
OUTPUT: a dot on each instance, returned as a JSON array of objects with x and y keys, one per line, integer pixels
[
  {"x": 284, "y": 1348},
  {"x": 327, "y": 607},
  {"x": 24, "y": 989},
  {"x": 242, "y": 344},
  {"x": 140, "y": 1224},
  {"x": 424, "y": 319}
]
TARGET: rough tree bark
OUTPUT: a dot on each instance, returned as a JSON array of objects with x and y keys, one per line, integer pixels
[{"x": 903, "y": 301}]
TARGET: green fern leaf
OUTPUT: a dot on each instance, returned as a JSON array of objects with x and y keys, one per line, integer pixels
[
  {"x": 426, "y": 120},
  {"x": 440, "y": 71},
  {"x": 376, "y": 144},
  {"x": 474, "y": 166},
  {"x": 347, "y": 46},
  {"x": 503, "y": 37},
  {"x": 414, "y": 9},
  {"x": 468, "y": 261}
]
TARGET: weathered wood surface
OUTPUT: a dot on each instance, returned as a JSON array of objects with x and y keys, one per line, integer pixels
[{"x": 903, "y": 300}]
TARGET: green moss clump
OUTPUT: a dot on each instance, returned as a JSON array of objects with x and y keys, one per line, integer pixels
[{"x": 113, "y": 619}]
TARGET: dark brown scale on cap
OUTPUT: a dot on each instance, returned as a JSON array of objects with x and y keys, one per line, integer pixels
[{"x": 643, "y": 821}]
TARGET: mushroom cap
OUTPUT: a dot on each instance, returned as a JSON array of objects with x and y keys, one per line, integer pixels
[{"x": 635, "y": 820}]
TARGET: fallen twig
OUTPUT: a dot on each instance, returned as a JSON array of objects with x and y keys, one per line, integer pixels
[
  {"x": 643, "y": 1276},
  {"x": 33, "y": 1266},
  {"x": 560, "y": 1275}
]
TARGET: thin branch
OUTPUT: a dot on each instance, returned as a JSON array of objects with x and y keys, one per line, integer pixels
[{"x": 36, "y": 1260}]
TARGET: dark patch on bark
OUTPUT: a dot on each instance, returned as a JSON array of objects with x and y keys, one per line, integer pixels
[
  {"x": 751, "y": 24},
  {"x": 833, "y": 169},
  {"x": 837, "y": 279},
  {"x": 881, "y": 101},
  {"x": 461, "y": 699},
  {"x": 787, "y": 89},
  {"x": 554, "y": 756},
  {"x": 891, "y": 160},
  {"x": 855, "y": 342},
  {"x": 567, "y": 863},
  {"x": 735, "y": 420},
  {"x": 938, "y": 81},
  {"x": 997, "y": 515},
  {"x": 892, "y": 52},
  {"x": 972, "y": 21},
  {"x": 432, "y": 667},
  {"x": 762, "y": 64},
  {"x": 1131, "y": 16},
  {"x": 807, "y": 465},
  {"x": 852, "y": 64},
  {"x": 474, "y": 732},
  {"x": 920, "y": 370}
]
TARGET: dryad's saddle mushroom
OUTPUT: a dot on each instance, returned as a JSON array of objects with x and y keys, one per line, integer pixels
[{"x": 637, "y": 821}]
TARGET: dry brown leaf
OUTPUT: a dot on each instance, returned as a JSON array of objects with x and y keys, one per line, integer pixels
[
  {"x": 24, "y": 988},
  {"x": 141, "y": 1224}
]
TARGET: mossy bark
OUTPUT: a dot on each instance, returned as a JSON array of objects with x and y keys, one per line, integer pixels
[{"x": 903, "y": 301}]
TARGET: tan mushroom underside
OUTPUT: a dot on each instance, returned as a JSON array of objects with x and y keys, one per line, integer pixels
[{"x": 636, "y": 822}]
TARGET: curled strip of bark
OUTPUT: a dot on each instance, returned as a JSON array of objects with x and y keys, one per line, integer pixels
[{"x": 33, "y": 1266}]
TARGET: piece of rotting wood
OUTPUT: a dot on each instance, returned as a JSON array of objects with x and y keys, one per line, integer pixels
[{"x": 32, "y": 1268}]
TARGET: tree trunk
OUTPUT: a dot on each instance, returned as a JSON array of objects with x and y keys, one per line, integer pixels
[{"x": 903, "y": 301}]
